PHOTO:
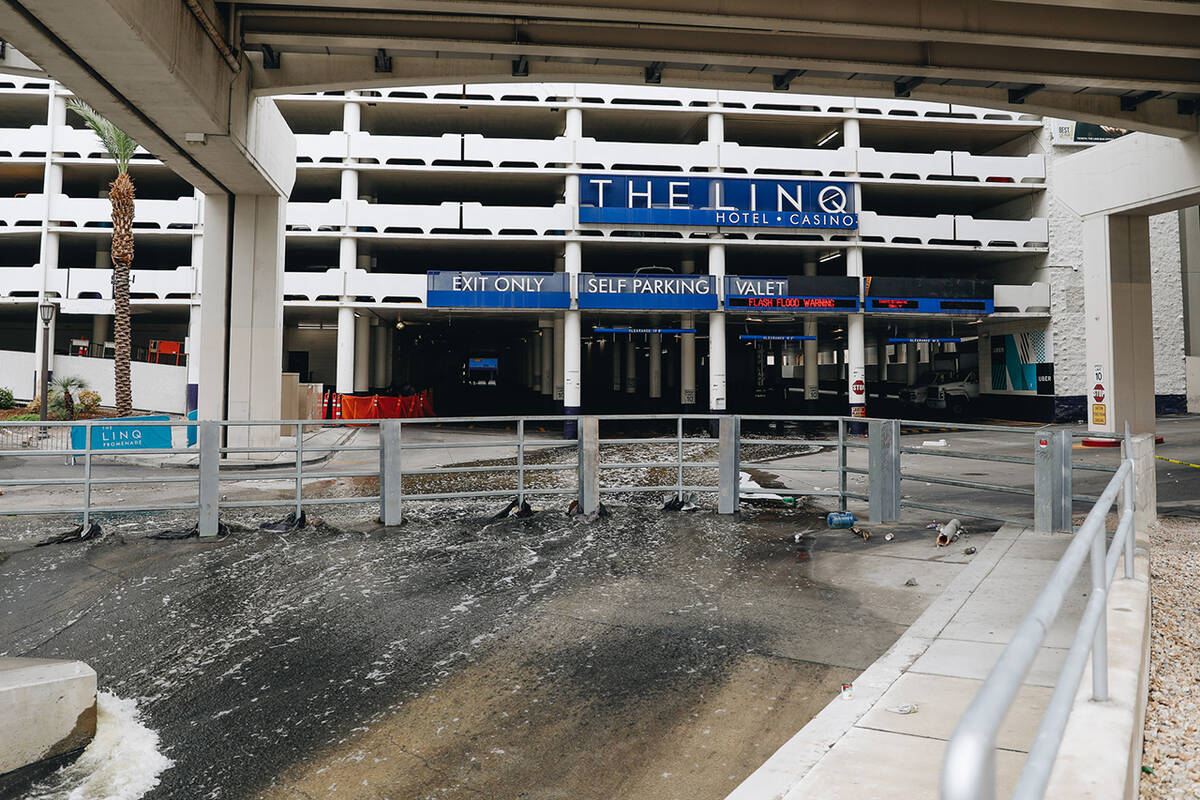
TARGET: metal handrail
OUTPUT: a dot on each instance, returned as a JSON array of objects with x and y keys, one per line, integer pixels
[{"x": 969, "y": 768}]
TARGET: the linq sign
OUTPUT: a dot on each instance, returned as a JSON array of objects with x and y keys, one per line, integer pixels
[{"x": 736, "y": 202}]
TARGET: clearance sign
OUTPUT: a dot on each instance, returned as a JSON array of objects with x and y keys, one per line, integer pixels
[
  {"x": 718, "y": 202},
  {"x": 810, "y": 293}
]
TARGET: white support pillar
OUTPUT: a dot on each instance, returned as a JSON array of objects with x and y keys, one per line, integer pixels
[
  {"x": 192, "y": 399},
  {"x": 655, "y": 374},
  {"x": 1118, "y": 323},
  {"x": 345, "y": 351},
  {"x": 560, "y": 372},
  {"x": 572, "y": 368},
  {"x": 881, "y": 358},
  {"x": 362, "y": 352},
  {"x": 379, "y": 354},
  {"x": 546, "y": 342},
  {"x": 716, "y": 326},
  {"x": 630, "y": 366},
  {"x": 256, "y": 317},
  {"x": 687, "y": 365},
  {"x": 811, "y": 346},
  {"x": 856, "y": 357},
  {"x": 214, "y": 275},
  {"x": 102, "y": 324}
]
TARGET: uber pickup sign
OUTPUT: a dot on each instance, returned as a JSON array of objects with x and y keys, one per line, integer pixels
[
  {"x": 718, "y": 202},
  {"x": 448, "y": 289}
]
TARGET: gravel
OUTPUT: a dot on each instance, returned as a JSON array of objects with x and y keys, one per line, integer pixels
[{"x": 1171, "y": 753}]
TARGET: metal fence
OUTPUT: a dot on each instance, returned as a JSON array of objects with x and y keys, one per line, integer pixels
[
  {"x": 674, "y": 452},
  {"x": 969, "y": 769}
]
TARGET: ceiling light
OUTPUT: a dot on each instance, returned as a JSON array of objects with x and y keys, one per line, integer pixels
[
  {"x": 399, "y": 324},
  {"x": 829, "y": 136},
  {"x": 830, "y": 256}
]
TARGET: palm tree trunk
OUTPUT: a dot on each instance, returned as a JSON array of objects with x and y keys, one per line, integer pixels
[{"x": 120, "y": 194}]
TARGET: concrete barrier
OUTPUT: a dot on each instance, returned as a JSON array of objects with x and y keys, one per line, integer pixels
[{"x": 47, "y": 709}]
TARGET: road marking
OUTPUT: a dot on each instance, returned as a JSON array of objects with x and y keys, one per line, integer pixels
[{"x": 1184, "y": 463}]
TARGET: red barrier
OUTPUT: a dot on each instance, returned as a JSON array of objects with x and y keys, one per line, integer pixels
[{"x": 350, "y": 406}]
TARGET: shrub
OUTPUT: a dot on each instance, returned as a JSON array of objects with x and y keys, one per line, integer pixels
[
  {"x": 24, "y": 418},
  {"x": 61, "y": 401},
  {"x": 87, "y": 402},
  {"x": 6, "y": 397},
  {"x": 35, "y": 405}
]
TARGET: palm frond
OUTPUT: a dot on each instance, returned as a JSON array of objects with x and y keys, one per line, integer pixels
[{"x": 119, "y": 144}]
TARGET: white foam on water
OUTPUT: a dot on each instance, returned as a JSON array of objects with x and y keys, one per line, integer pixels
[{"x": 121, "y": 763}]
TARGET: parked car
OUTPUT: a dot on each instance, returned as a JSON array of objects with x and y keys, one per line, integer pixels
[{"x": 953, "y": 391}]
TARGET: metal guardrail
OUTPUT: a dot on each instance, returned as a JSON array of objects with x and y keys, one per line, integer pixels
[
  {"x": 969, "y": 768},
  {"x": 672, "y": 454}
]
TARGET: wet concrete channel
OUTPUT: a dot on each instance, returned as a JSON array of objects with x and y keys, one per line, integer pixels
[{"x": 649, "y": 654}]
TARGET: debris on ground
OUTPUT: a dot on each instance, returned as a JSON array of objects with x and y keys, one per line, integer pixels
[
  {"x": 950, "y": 532},
  {"x": 575, "y": 509},
  {"x": 287, "y": 524},
  {"x": 76, "y": 534},
  {"x": 847, "y": 691},
  {"x": 524, "y": 511},
  {"x": 187, "y": 533},
  {"x": 519, "y": 509},
  {"x": 903, "y": 708},
  {"x": 887, "y": 537},
  {"x": 840, "y": 519},
  {"x": 600, "y": 512},
  {"x": 970, "y": 551},
  {"x": 911, "y": 582},
  {"x": 935, "y": 443},
  {"x": 862, "y": 533},
  {"x": 507, "y": 510}
]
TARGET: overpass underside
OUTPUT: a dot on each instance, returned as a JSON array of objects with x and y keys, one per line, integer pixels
[{"x": 189, "y": 80}]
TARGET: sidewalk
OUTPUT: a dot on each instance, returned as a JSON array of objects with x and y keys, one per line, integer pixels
[{"x": 857, "y": 750}]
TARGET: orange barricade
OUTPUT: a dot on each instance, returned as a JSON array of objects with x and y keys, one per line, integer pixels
[{"x": 348, "y": 406}]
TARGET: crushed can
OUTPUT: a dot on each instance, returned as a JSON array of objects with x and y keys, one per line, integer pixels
[{"x": 840, "y": 519}]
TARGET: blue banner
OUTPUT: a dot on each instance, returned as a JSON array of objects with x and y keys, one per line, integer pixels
[
  {"x": 454, "y": 289},
  {"x": 812, "y": 293},
  {"x": 648, "y": 292},
  {"x": 125, "y": 436},
  {"x": 716, "y": 202}
]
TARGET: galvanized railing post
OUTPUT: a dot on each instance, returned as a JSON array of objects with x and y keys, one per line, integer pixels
[
  {"x": 679, "y": 442},
  {"x": 87, "y": 474},
  {"x": 208, "y": 493},
  {"x": 1052, "y": 481},
  {"x": 883, "y": 482},
  {"x": 841, "y": 449},
  {"x": 391, "y": 472},
  {"x": 1128, "y": 499},
  {"x": 520, "y": 461},
  {"x": 589, "y": 464},
  {"x": 1100, "y": 642},
  {"x": 729, "y": 434},
  {"x": 299, "y": 469}
]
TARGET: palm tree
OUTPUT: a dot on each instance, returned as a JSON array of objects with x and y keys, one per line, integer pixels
[
  {"x": 61, "y": 388},
  {"x": 120, "y": 147}
]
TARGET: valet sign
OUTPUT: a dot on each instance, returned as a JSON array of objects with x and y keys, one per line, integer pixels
[{"x": 717, "y": 202}]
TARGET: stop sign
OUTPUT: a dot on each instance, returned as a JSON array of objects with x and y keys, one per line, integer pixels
[
  {"x": 1098, "y": 393},
  {"x": 859, "y": 387}
]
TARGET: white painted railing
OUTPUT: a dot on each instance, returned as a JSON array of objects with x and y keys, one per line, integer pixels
[
  {"x": 92, "y": 283},
  {"x": 316, "y": 147},
  {"x": 904, "y": 165},
  {"x": 406, "y": 149},
  {"x": 517, "y": 219},
  {"x": 797, "y": 160},
  {"x": 97, "y": 211},
  {"x": 315, "y": 216},
  {"x": 1002, "y": 232},
  {"x": 608, "y": 154},
  {"x": 311, "y": 285},
  {"x": 1022, "y": 299},
  {"x": 906, "y": 229},
  {"x": 1019, "y": 169},
  {"x": 497, "y": 151},
  {"x": 381, "y": 285},
  {"x": 385, "y": 217}
]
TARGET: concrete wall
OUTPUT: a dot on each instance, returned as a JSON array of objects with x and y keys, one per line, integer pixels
[
  {"x": 1064, "y": 272},
  {"x": 156, "y": 387}
]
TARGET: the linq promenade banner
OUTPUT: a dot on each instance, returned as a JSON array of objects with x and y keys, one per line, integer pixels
[{"x": 719, "y": 202}]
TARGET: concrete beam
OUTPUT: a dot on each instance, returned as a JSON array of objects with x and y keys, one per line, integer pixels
[
  {"x": 161, "y": 75},
  {"x": 47, "y": 709},
  {"x": 1136, "y": 174}
]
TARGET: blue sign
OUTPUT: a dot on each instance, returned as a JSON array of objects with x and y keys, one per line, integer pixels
[
  {"x": 791, "y": 293},
  {"x": 452, "y": 289},
  {"x": 644, "y": 330},
  {"x": 125, "y": 437},
  {"x": 483, "y": 363},
  {"x": 648, "y": 292},
  {"x": 750, "y": 337},
  {"x": 716, "y": 202},
  {"x": 922, "y": 340}
]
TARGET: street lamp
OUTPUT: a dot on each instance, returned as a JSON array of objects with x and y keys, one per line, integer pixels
[{"x": 46, "y": 312}]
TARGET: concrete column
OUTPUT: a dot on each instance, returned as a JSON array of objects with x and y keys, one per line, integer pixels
[
  {"x": 214, "y": 275},
  {"x": 379, "y": 354},
  {"x": 362, "y": 352},
  {"x": 345, "y": 351},
  {"x": 687, "y": 349},
  {"x": 1189, "y": 262},
  {"x": 811, "y": 360},
  {"x": 881, "y": 358},
  {"x": 716, "y": 128},
  {"x": 389, "y": 361},
  {"x": 546, "y": 343},
  {"x": 911, "y": 356},
  {"x": 614, "y": 348},
  {"x": 716, "y": 326},
  {"x": 856, "y": 378},
  {"x": 560, "y": 371},
  {"x": 100, "y": 325},
  {"x": 630, "y": 366},
  {"x": 572, "y": 362},
  {"x": 256, "y": 316},
  {"x": 1119, "y": 372},
  {"x": 655, "y": 374}
]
